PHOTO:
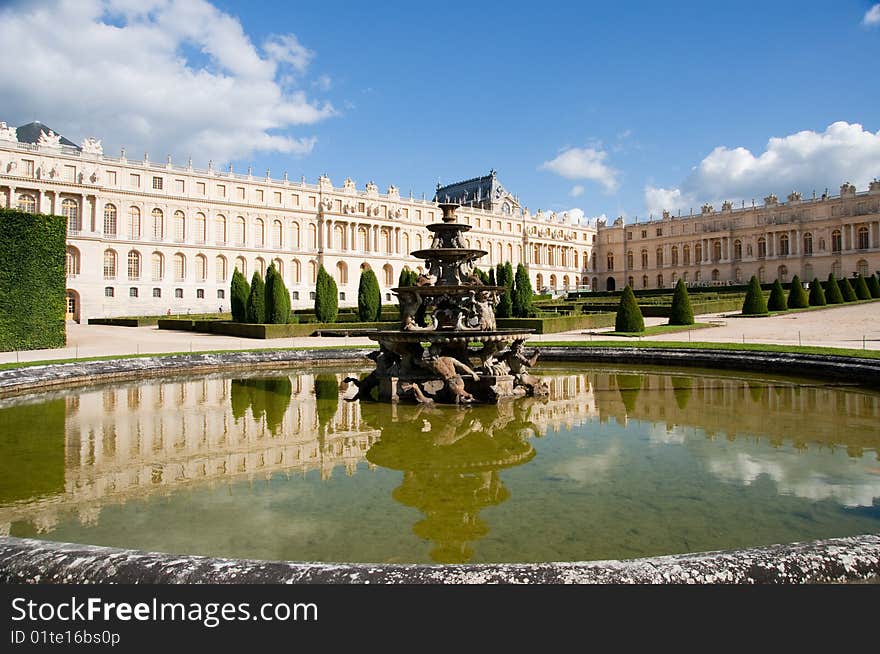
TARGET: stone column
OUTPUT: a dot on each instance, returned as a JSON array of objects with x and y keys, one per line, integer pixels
[
  {"x": 12, "y": 197},
  {"x": 852, "y": 237}
]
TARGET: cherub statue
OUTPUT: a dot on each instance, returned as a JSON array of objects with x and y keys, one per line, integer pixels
[
  {"x": 519, "y": 364},
  {"x": 447, "y": 368}
]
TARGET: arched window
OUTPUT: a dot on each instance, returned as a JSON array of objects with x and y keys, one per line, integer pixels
[
  {"x": 341, "y": 273},
  {"x": 134, "y": 265},
  {"x": 201, "y": 228},
  {"x": 630, "y": 259},
  {"x": 241, "y": 265},
  {"x": 738, "y": 276},
  {"x": 109, "y": 264},
  {"x": 762, "y": 274},
  {"x": 338, "y": 237},
  {"x": 158, "y": 224},
  {"x": 363, "y": 241},
  {"x": 158, "y": 266},
  {"x": 644, "y": 259},
  {"x": 389, "y": 275},
  {"x": 716, "y": 251},
  {"x": 808, "y": 243},
  {"x": 220, "y": 267},
  {"x": 179, "y": 226},
  {"x": 808, "y": 272},
  {"x": 595, "y": 283},
  {"x": 674, "y": 279},
  {"x": 259, "y": 233},
  {"x": 537, "y": 253},
  {"x": 295, "y": 236},
  {"x": 220, "y": 229},
  {"x": 500, "y": 250},
  {"x": 260, "y": 266},
  {"x": 684, "y": 277},
  {"x": 551, "y": 258},
  {"x": 565, "y": 282},
  {"x": 313, "y": 272},
  {"x": 686, "y": 255},
  {"x": 419, "y": 242},
  {"x": 835, "y": 269},
  {"x": 631, "y": 282},
  {"x": 863, "y": 238},
  {"x": 405, "y": 243},
  {"x": 782, "y": 273},
  {"x": 644, "y": 281},
  {"x": 862, "y": 267},
  {"x": 539, "y": 282},
  {"x": 659, "y": 256},
  {"x": 698, "y": 253},
  {"x": 27, "y": 202},
  {"x": 716, "y": 275},
  {"x": 836, "y": 242},
  {"x": 277, "y": 234},
  {"x": 762, "y": 247},
  {"x": 72, "y": 261},
  {"x": 279, "y": 266},
  {"x": 313, "y": 237},
  {"x": 783, "y": 245},
  {"x": 179, "y": 267},
  {"x": 610, "y": 261},
  {"x": 737, "y": 250},
  {"x": 510, "y": 254},
  {"x": 295, "y": 271},
  {"x": 70, "y": 210},
  {"x": 553, "y": 282},
  {"x": 201, "y": 268},
  {"x": 109, "y": 220},
  {"x": 385, "y": 241},
  {"x": 134, "y": 223},
  {"x": 674, "y": 255},
  {"x": 238, "y": 234},
  {"x": 660, "y": 281},
  {"x": 698, "y": 276}
]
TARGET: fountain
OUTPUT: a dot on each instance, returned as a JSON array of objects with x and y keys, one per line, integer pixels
[{"x": 434, "y": 361}]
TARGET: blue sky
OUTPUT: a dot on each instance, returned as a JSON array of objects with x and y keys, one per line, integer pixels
[{"x": 609, "y": 108}]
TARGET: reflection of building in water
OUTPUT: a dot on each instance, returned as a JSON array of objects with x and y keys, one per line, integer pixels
[{"x": 124, "y": 442}]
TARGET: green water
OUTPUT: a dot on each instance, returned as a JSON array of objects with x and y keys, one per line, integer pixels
[{"x": 618, "y": 462}]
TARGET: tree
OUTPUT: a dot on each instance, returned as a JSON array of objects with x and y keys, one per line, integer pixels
[
  {"x": 504, "y": 277},
  {"x": 493, "y": 281},
  {"x": 326, "y": 297},
  {"x": 407, "y": 278},
  {"x": 484, "y": 277},
  {"x": 777, "y": 301},
  {"x": 522, "y": 293},
  {"x": 369, "y": 297},
  {"x": 239, "y": 290},
  {"x": 629, "y": 316},
  {"x": 833, "y": 295},
  {"x": 849, "y": 293},
  {"x": 255, "y": 310},
  {"x": 277, "y": 298},
  {"x": 754, "y": 304},
  {"x": 817, "y": 294},
  {"x": 874, "y": 285},
  {"x": 862, "y": 291},
  {"x": 797, "y": 296},
  {"x": 682, "y": 313}
]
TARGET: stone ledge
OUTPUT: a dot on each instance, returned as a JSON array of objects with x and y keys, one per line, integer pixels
[{"x": 28, "y": 561}]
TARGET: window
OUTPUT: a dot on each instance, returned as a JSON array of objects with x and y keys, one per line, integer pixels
[
  {"x": 836, "y": 241},
  {"x": 863, "y": 238},
  {"x": 201, "y": 228},
  {"x": 277, "y": 197},
  {"x": 277, "y": 234},
  {"x": 239, "y": 192},
  {"x": 158, "y": 266},
  {"x": 241, "y": 265},
  {"x": 782, "y": 273},
  {"x": 341, "y": 295},
  {"x": 808, "y": 243},
  {"x": 698, "y": 253},
  {"x": 157, "y": 183},
  {"x": 259, "y": 195},
  {"x": 294, "y": 295},
  {"x": 783, "y": 245},
  {"x": 109, "y": 220},
  {"x": 28, "y": 165},
  {"x": 27, "y": 202},
  {"x": 674, "y": 255},
  {"x": 109, "y": 264},
  {"x": 133, "y": 292},
  {"x": 644, "y": 233},
  {"x": 135, "y": 181},
  {"x": 157, "y": 292},
  {"x": 220, "y": 266},
  {"x": 179, "y": 267},
  {"x": 70, "y": 210},
  {"x": 72, "y": 261},
  {"x": 200, "y": 294},
  {"x": 610, "y": 261},
  {"x": 737, "y": 250},
  {"x": 201, "y": 267},
  {"x": 221, "y": 294},
  {"x": 260, "y": 266},
  {"x": 341, "y": 273},
  {"x": 134, "y": 266},
  {"x": 295, "y": 271},
  {"x": 179, "y": 185},
  {"x": 294, "y": 199},
  {"x": 239, "y": 232},
  {"x": 716, "y": 251},
  {"x": 686, "y": 255},
  {"x": 220, "y": 229},
  {"x": 221, "y": 191},
  {"x": 762, "y": 247},
  {"x": 659, "y": 281},
  {"x": 659, "y": 231},
  {"x": 312, "y": 295},
  {"x": 179, "y": 226},
  {"x": 158, "y": 224},
  {"x": 716, "y": 275},
  {"x": 388, "y": 297},
  {"x": 659, "y": 257},
  {"x": 761, "y": 274},
  {"x": 862, "y": 267},
  {"x": 108, "y": 291},
  {"x": 200, "y": 188},
  {"x": 70, "y": 173},
  {"x": 178, "y": 293},
  {"x": 111, "y": 178},
  {"x": 134, "y": 223},
  {"x": 630, "y": 259}
]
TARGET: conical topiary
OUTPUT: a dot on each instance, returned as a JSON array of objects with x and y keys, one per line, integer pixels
[
  {"x": 861, "y": 288},
  {"x": 239, "y": 290},
  {"x": 874, "y": 286},
  {"x": 754, "y": 304},
  {"x": 505, "y": 303},
  {"x": 833, "y": 295},
  {"x": 326, "y": 297},
  {"x": 277, "y": 298},
  {"x": 817, "y": 294},
  {"x": 522, "y": 293},
  {"x": 777, "y": 301},
  {"x": 682, "y": 313},
  {"x": 369, "y": 297},
  {"x": 629, "y": 316},
  {"x": 797, "y": 296},
  {"x": 849, "y": 293},
  {"x": 255, "y": 310}
]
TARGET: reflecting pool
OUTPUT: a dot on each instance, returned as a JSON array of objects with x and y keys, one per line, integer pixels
[{"x": 618, "y": 462}]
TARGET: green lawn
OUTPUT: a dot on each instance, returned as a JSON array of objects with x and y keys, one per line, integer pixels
[{"x": 661, "y": 329}]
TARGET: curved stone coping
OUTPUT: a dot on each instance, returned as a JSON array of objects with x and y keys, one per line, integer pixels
[{"x": 825, "y": 561}]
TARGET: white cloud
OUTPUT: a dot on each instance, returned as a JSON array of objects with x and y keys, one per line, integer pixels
[
  {"x": 576, "y": 191},
  {"x": 872, "y": 16},
  {"x": 583, "y": 163},
  {"x": 805, "y": 161},
  {"x": 165, "y": 76}
]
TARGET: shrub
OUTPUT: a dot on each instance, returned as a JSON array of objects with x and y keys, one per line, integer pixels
[
  {"x": 777, "y": 301},
  {"x": 754, "y": 304},
  {"x": 522, "y": 293},
  {"x": 326, "y": 297},
  {"x": 629, "y": 316},
  {"x": 369, "y": 297},
  {"x": 833, "y": 294},
  {"x": 861, "y": 289},
  {"x": 682, "y": 313},
  {"x": 33, "y": 280},
  {"x": 874, "y": 286},
  {"x": 817, "y": 294},
  {"x": 504, "y": 277},
  {"x": 493, "y": 281},
  {"x": 255, "y": 310},
  {"x": 484, "y": 277},
  {"x": 277, "y": 298},
  {"x": 849, "y": 293},
  {"x": 239, "y": 290},
  {"x": 797, "y": 296}
]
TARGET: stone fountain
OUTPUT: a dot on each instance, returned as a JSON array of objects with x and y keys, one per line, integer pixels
[{"x": 448, "y": 348}]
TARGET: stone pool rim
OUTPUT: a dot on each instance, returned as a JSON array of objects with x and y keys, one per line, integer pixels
[{"x": 822, "y": 561}]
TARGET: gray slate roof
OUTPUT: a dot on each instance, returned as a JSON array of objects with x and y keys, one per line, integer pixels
[{"x": 30, "y": 133}]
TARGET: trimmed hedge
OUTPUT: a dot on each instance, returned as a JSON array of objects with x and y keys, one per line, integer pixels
[
  {"x": 560, "y": 324},
  {"x": 817, "y": 294},
  {"x": 797, "y": 296},
  {"x": 33, "y": 280},
  {"x": 239, "y": 290},
  {"x": 250, "y": 330},
  {"x": 277, "y": 298},
  {"x": 681, "y": 312},
  {"x": 523, "y": 295},
  {"x": 326, "y": 297},
  {"x": 369, "y": 297},
  {"x": 629, "y": 317},
  {"x": 874, "y": 286},
  {"x": 754, "y": 304},
  {"x": 861, "y": 289},
  {"x": 777, "y": 301},
  {"x": 849, "y": 293},
  {"x": 833, "y": 294},
  {"x": 255, "y": 309}
]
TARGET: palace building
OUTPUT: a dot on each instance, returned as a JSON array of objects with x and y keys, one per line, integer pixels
[{"x": 148, "y": 238}]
